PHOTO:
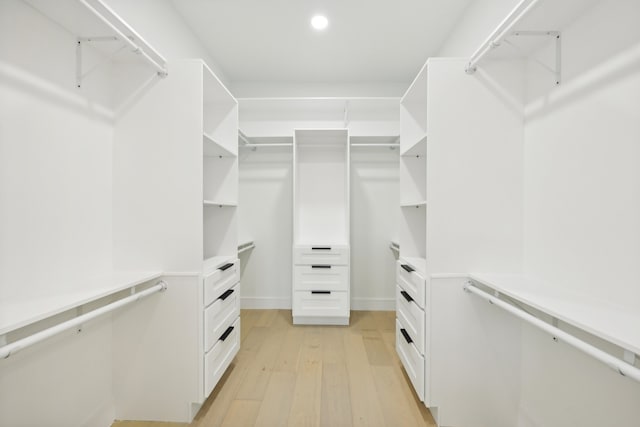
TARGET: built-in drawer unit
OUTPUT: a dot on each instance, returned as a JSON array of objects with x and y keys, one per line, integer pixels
[
  {"x": 411, "y": 316},
  {"x": 220, "y": 314},
  {"x": 321, "y": 303},
  {"x": 220, "y": 356},
  {"x": 219, "y": 280},
  {"x": 321, "y": 277},
  {"x": 411, "y": 358},
  {"x": 412, "y": 282},
  {"x": 321, "y": 254}
]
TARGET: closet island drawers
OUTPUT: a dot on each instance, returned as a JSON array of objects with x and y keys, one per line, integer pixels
[
  {"x": 220, "y": 356},
  {"x": 220, "y": 314},
  {"x": 321, "y": 277},
  {"x": 321, "y": 303},
  {"x": 412, "y": 282},
  {"x": 411, "y": 358},
  {"x": 321, "y": 254},
  {"x": 219, "y": 280}
]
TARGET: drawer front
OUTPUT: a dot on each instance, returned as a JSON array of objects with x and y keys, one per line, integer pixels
[
  {"x": 217, "y": 360},
  {"x": 412, "y": 361},
  {"x": 411, "y": 317},
  {"x": 220, "y": 315},
  {"x": 321, "y": 254},
  {"x": 321, "y": 303},
  {"x": 321, "y": 277},
  {"x": 219, "y": 280},
  {"x": 412, "y": 282}
]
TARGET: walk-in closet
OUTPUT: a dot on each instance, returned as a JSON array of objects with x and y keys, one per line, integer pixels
[{"x": 319, "y": 213}]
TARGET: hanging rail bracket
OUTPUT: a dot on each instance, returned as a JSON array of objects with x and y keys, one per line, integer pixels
[{"x": 79, "y": 42}]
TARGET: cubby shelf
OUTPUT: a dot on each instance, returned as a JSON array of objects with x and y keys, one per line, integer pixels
[
  {"x": 417, "y": 149},
  {"x": 413, "y": 204},
  {"x": 212, "y": 148},
  {"x": 219, "y": 203}
]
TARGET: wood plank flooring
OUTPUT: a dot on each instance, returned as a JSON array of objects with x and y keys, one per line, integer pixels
[{"x": 331, "y": 376}]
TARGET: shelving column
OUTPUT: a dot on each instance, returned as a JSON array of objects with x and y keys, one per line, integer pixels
[
  {"x": 321, "y": 290},
  {"x": 411, "y": 290}
]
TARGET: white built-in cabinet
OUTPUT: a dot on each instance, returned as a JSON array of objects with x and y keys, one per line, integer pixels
[
  {"x": 461, "y": 149},
  {"x": 412, "y": 262},
  {"x": 321, "y": 291},
  {"x": 175, "y": 208}
]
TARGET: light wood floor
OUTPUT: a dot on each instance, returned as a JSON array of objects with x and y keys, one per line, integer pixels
[{"x": 332, "y": 376}]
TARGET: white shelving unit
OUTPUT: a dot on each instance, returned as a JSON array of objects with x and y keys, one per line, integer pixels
[
  {"x": 18, "y": 314},
  {"x": 321, "y": 292},
  {"x": 105, "y": 44}
]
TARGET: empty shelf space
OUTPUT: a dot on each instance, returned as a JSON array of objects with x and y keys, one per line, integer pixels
[
  {"x": 608, "y": 322},
  {"x": 417, "y": 149},
  {"x": 19, "y": 313}
]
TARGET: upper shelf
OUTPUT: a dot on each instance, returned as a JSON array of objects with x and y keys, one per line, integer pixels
[
  {"x": 17, "y": 314},
  {"x": 93, "y": 19},
  {"x": 608, "y": 322}
]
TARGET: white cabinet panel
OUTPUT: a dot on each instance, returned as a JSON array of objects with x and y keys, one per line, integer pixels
[
  {"x": 411, "y": 316},
  {"x": 412, "y": 282},
  {"x": 220, "y": 356},
  {"x": 411, "y": 358},
  {"x": 321, "y": 254},
  {"x": 221, "y": 279},
  {"x": 321, "y": 303},
  {"x": 221, "y": 314}
]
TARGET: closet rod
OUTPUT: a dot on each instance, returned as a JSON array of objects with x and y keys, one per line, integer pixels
[
  {"x": 283, "y": 144},
  {"x": 621, "y": 367},
  {"x": 375, "y": 145},
  {"x": 30, "y": 340},
  {"x": 93, "y": 8},
  {"x": 501, "y": 31}
]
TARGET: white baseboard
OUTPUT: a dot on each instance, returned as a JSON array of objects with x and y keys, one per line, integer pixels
[
  {"x": 273, "y": 303},
  {"x": 373, "y": 304}
]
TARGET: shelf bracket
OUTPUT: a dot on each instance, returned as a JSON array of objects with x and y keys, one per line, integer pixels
[
  {"x": 629, "y": 357},
  {"x": 557, "y": 70},
  {"x": 80, "y": 75}
]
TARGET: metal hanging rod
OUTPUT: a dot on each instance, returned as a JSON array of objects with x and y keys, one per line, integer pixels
[
  {"x": 502, "y": 30},
  {"x": 620, "y": 366},
  {"x": 21, "y": 344}
]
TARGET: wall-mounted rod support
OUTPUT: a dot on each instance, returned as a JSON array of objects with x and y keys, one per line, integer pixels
[
  {"x": 620, "y": 366},
  {"x": 502, "y": 30},
  {"x": 23, "y": 343}
]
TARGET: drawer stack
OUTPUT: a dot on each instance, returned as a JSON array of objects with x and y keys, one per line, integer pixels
[
  {"x": 321, "y": 285},
  {"x": 410, "y": 323},
  {"x": 221, "y": 321}
]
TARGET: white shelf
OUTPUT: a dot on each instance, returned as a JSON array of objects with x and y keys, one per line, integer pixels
[
  {"x": 417, "y": 149},
  {"x": 91, "y": 18},
  {"x": 419, "y": 264},
  {"x": 212, "y": 148},
  {"x": 608, "y": 322},
  {"x": 17, "y": 314},
  {"x": 414, "y": 204},
  {"x": 214, "y": 262},
  {"x": 220, "y": 204},
  {"x": 245, "y": 246}
]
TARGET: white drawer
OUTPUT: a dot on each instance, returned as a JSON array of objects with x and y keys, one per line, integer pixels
[
  {"x": 411, "y": 317},
  {"x": 321, "y": 303},
  {"x": 412, "y": 360},
  {"x": 412, "y": 282},
  {"x": 320, "y": 277},
  {"x": 220, "y": 356},
  {"x": 321, "y": 254},
  {"x": 221, "y": 314},
  {"x": 219, "y": 280}
]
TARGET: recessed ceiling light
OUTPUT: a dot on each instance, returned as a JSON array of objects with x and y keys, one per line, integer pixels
[{"x": 319, "y": 22}]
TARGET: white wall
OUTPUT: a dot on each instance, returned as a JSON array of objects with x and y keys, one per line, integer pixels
[
  {"x": 375, "y": 214},
  {"x": 291, "y": 89},
  {"x": 581, "y": 201},
  {"x": 266, "y": 217},
  {"x": 55, "y": 218}
]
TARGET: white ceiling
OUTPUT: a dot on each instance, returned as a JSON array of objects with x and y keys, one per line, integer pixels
[{"x": 367, "y": 40}]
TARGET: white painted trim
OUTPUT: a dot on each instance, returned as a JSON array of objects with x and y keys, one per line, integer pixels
[
  {"x": 279, "y": 303},
  {"x": 373, "y": 304}
]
